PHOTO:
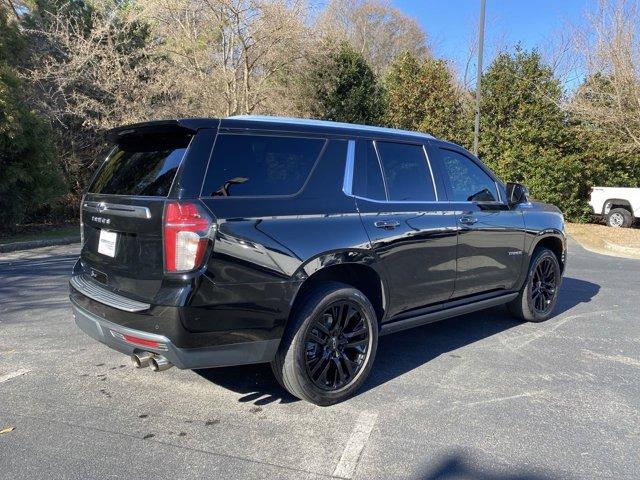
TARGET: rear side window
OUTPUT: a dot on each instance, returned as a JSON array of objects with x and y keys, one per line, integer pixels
[
  {"x": 406, "y": 172},
  {"x": 142, "y": 165},
  {"x": 367, "y": 176},
  {"x": 260, "y": 165},
  {"x": 468, "y": 182}
]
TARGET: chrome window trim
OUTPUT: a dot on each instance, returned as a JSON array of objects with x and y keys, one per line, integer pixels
[
  {"x": 498, "y": 192},
  {"x": 119, "y": 210},
  {"x": 347, "y": 183},
  {"x": 388, "y": 202},
  {"x": 433, "y": 179},
  {"x": 102, "y": 295}
]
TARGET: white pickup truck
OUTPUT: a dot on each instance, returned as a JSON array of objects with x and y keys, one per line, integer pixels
[{"x": 619, "y": 206}]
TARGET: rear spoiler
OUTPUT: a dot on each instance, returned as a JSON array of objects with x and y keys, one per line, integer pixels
[{"x": 185, "y": 126}]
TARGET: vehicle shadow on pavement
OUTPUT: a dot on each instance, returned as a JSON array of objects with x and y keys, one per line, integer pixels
[
  {"x": 255, "y": 382},
  {"x": 400, "y": 352},
  {"x": 573, "y": 292},
  {"x": 457, "y": 465}
]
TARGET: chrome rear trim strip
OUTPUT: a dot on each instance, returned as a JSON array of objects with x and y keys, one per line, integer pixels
[
  {"x": 117, "y": 209},
  {"x": 347, "y": 184},
  {"x": 89, "y": 288}
]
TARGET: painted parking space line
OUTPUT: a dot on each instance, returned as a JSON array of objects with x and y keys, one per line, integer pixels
[
  {"x": 356, "y": 443},
  {"x": 10, "y": 375}
]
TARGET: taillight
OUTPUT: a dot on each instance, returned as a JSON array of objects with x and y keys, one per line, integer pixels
[{"x": 186, "y": 226}]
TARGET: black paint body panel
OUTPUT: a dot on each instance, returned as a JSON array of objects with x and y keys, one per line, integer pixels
[{"x": 263, "y": 250}]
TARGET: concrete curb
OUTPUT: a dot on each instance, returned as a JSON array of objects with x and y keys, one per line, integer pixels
[
  {"x": 603, "y": 250},
  {"x": 621, "y": 248},
  {"x": 47, "y": 242}
]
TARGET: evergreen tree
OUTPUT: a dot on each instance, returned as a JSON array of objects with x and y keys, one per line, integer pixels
[
  {"x": 344, "y": 88},
  {"x": 29, "y": 179},
  {"x": 422, "y": 95},
  {"x": 525, "y": 135}
]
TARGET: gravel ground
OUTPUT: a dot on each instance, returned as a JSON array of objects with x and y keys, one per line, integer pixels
[{"x": 475, "y": 397}]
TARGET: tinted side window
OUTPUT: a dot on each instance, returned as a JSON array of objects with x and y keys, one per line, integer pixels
[
  {"x": 406, "y": 172},
  {"x": 257, "y": 165},
  {"x": 367, "y": 177},
  {"x": 469, "y": 183}
]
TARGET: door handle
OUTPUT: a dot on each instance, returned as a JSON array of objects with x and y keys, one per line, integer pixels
[
  {"x": 467, "y": 220},
  {"x": 387, "y": 224}
]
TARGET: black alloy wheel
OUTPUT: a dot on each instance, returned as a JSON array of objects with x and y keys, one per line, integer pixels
[
  {"x": 336, "y": 345},
  {"x": 539, "y": 294},
  {"x": 329, "y": 345},
  {"x": 544, "y": 286}
]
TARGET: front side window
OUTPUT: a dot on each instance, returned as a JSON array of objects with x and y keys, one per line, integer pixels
[
  {"x": 406, "y": 172},
  {"x": 468, "y": 182},
  {"x": 260, "y": 165}
]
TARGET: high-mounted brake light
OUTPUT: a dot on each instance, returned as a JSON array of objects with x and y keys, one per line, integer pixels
[{"x": 186, "y": 226}]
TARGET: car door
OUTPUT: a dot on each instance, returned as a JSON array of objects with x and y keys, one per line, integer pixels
[
  {"x": 412, "y": 234},
  {"x": 490, "y": 234}
]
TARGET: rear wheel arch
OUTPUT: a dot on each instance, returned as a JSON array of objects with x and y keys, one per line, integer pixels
[
  {"x": 612, "y": 203},
  {"x": 357, "y": 275}
]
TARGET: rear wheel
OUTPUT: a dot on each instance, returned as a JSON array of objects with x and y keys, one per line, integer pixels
[
  {"x": 619, "y": 217},
  {"x": 329, "y": 346},
  {"x": 539, "y": 295}
]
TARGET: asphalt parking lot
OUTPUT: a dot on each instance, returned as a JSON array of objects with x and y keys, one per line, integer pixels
[{"x": 476, "y": 397}]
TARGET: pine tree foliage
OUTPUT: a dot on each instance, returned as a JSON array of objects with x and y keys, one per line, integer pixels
[
  {"x": 29, "y": 178},
  {"x": 344, "y": 88},
  {"x": 422, "y": 95},
  {"x": 525, "y": 135}
]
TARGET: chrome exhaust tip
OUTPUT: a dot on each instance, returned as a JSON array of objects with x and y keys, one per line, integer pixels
[
  {"x": 160, "y": 363},
  {"x": 142, "y": 359}
]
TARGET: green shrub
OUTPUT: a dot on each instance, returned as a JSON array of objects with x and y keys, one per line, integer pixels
[{"x": 29, "y": 178}]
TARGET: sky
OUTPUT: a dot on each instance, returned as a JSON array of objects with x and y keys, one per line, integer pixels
[{"x": 452, "y": 24}]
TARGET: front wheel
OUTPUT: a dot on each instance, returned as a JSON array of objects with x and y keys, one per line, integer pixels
[
  {"x": 329, "y": 346},
  {"x": 539, "y": 294}
]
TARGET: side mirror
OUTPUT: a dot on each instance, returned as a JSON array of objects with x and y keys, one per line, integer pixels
[{"x": 517, "y": 194}]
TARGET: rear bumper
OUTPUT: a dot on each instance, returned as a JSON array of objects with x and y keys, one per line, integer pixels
[{"x": 113, "y": 335}]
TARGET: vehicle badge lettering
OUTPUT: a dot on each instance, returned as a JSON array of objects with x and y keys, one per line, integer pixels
[{"x": 102, "y": 220}]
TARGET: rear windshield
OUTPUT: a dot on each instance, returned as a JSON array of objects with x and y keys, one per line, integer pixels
[
  {"x": 260, "y": 165},
  {"x": 142, "y": 165}
]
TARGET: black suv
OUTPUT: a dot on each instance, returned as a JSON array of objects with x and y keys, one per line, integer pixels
[{"x": 212, "y": 242}]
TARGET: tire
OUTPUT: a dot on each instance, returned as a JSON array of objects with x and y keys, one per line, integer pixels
[
  {"x": 619, "y": 218},
  {"x": 536, "y": 291},
  {"x": 312, "y": 357}
]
